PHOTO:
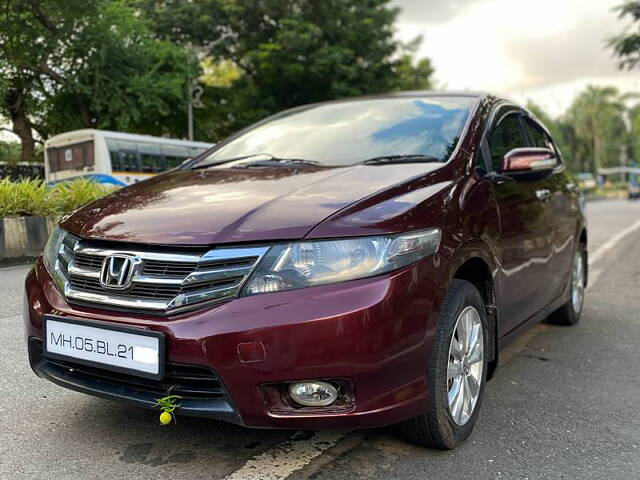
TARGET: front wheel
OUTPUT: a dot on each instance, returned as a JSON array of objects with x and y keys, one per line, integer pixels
[{"x": 456, "y": 373}]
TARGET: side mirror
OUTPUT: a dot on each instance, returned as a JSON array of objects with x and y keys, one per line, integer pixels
[{"x": 529, "y": 160}]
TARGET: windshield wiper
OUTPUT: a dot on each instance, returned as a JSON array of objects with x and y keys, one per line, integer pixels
[
  {"x": 276, "y": 162},
  {"x": 269, "y": 161},
  {"x": 391, "y": 159},
  {"x": 226, "y": 160}
]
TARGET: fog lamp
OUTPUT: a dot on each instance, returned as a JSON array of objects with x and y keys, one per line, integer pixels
[{"x": 313, "y": 394}]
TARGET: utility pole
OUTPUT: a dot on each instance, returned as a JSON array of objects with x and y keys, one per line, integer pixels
[{"x": 194, "y": 92}]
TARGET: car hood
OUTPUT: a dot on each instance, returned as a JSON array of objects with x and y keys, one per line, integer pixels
[{"x": 215, "y": 206}]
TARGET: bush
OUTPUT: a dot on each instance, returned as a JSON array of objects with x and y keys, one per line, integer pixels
[{"x": 29, "y": 197}]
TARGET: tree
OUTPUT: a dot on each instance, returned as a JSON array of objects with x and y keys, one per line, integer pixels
[
  {"x": 634, "y": 143},
  {"x": 9, "y": 152},
  {"x": 124, "y": 65},
  {"x": 126, "y": 78},
  {"x": 592, "y": 133},
  {"x": 86, "y": 63},
  {"x": 290, "y": 52},
  {"x": 409, "y": 73},
  {"x": 626, "y": 45},
  {"x": 598, "y": 118},
  {"x": 563, "y": 133},
  {"x": 551, "y": 124},
  {"x": 32, "y": 35}
]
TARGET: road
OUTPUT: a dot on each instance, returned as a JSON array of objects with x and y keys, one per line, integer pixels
[{"x": 563, "y": 404}]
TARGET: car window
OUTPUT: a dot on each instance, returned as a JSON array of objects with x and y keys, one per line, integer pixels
[
  {"x": 540, "y": 138},
  {"x": 505, "y": 136},
  {"x": 536, "y": 135}
]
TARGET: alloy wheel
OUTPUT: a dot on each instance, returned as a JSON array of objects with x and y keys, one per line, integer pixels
[
  {"x": 577, "y": 282},
  {"x": 466, "y": 363}
]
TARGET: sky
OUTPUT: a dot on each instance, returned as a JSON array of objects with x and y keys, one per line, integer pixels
[{"x": 543, "y": 50}]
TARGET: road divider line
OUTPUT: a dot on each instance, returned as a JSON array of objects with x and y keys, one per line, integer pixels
[
  {"x": 609, "y": 244},
  {"x": 279, "y": 462}
]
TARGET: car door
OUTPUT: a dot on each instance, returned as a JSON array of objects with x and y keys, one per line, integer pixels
[
  {"x": 524, "y": 243},
  {"x": 563, "y": 208}
]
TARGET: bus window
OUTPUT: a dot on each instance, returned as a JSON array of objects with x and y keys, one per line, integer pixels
[
  {"x": 150, "y": 157},
  {"x": 114, "y": 155},
  {"x": 174, "y": 155},
  {"x": 128, "y": 156},
  {"x": 195, "y": 151},
  {"x": 74, "y": 156}
]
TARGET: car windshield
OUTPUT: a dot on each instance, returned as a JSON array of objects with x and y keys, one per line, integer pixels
[{"x": 349, "y": 132}]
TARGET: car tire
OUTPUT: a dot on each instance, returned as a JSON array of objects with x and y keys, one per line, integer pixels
[
  {"x": 445, "y": 426},
  {"x": 570, "y": 313}
]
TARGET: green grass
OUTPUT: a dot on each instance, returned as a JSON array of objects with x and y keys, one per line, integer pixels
[{"x": 30, "y": 197}]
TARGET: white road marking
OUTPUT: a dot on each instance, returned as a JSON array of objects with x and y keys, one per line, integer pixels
[
  {"x": 279, "y": 462},
  {"x": 594, "y": 274},
  {"x": 609, "y": 244}
]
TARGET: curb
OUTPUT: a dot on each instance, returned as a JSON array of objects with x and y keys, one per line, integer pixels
[{"x": 24, "y": 236}]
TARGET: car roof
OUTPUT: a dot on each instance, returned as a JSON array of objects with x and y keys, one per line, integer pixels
[
  {"x": 406, "y": 94},
  {"x": 401, "y": 94}
]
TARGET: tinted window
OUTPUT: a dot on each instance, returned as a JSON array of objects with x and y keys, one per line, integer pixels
[
  {"x": 114, "y": 154},
  {"x": 130, "y": 156},
  {"x": 150, "y": 157},
  {"x": 195, "y": 151},
  {"x": 506, "y": 136},
  {"x": 129, "y": 161},
  {"x": 348, "y": 132},
  {"x": 537, "y": 136},
  {"x": 123, "y": 155},
  {"x": 174, "y": 155}
]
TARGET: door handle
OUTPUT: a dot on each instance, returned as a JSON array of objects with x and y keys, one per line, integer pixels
[{"x": 543, "y": 194}]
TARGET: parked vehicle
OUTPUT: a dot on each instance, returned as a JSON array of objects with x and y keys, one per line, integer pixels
[
  {"x": 586, "y": 180},
  {"x": 348, "y": 264},
  {"x": 114, "y": 157},
  {"x": 634, "y": 186}
]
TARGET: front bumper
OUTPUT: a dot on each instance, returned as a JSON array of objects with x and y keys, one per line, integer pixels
[{"x": 376, "y": 333}]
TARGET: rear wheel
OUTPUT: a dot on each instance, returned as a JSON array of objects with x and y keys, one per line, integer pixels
[
  {"x": 570, "y": 312},
  {"x": 456, "y": 373}
]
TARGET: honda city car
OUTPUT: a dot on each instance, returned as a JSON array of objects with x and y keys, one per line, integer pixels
[{"x": 347, "y": 264}]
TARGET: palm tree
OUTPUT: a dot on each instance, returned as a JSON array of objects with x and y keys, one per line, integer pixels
[{"x": 597, "y": 116}]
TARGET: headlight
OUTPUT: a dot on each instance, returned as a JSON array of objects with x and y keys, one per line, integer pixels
[
  {"x": 305, "y": 264},
  {"x": 51, "y": 252}
]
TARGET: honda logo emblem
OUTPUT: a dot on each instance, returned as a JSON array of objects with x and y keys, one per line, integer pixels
[{"x": 118, "y": 270}]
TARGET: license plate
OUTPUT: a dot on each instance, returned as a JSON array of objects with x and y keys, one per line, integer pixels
[{"x": 121, "y": 349}]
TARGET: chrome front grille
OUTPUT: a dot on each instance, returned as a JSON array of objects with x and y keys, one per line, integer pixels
[
  {"x": 154, "y": 267},
  {"x": 161, "y": 282}
]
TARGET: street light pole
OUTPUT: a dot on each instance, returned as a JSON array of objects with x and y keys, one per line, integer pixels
[
  {"x": 190, "y": 119},
  {"x": 194, "y": 92}
]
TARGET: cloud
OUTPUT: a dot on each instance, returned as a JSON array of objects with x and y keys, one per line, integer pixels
[
  {"x": 517, "y": 47},
  {"x": 573, "y": 53},
  {"x": 432, "y": 11}
]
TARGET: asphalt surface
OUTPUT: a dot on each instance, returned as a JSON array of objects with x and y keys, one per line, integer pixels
[{"x": 563, "y": 404}]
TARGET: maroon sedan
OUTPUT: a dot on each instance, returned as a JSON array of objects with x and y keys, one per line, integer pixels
[{"x": 347, "y": 264}]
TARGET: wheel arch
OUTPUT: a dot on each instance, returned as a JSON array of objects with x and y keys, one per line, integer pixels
[
  {"x": 583, "y": 236},
  {"x": 473, "y": 265}
]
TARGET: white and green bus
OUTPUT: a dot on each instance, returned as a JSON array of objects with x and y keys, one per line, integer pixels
[{"x": 114, "y": 157}]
